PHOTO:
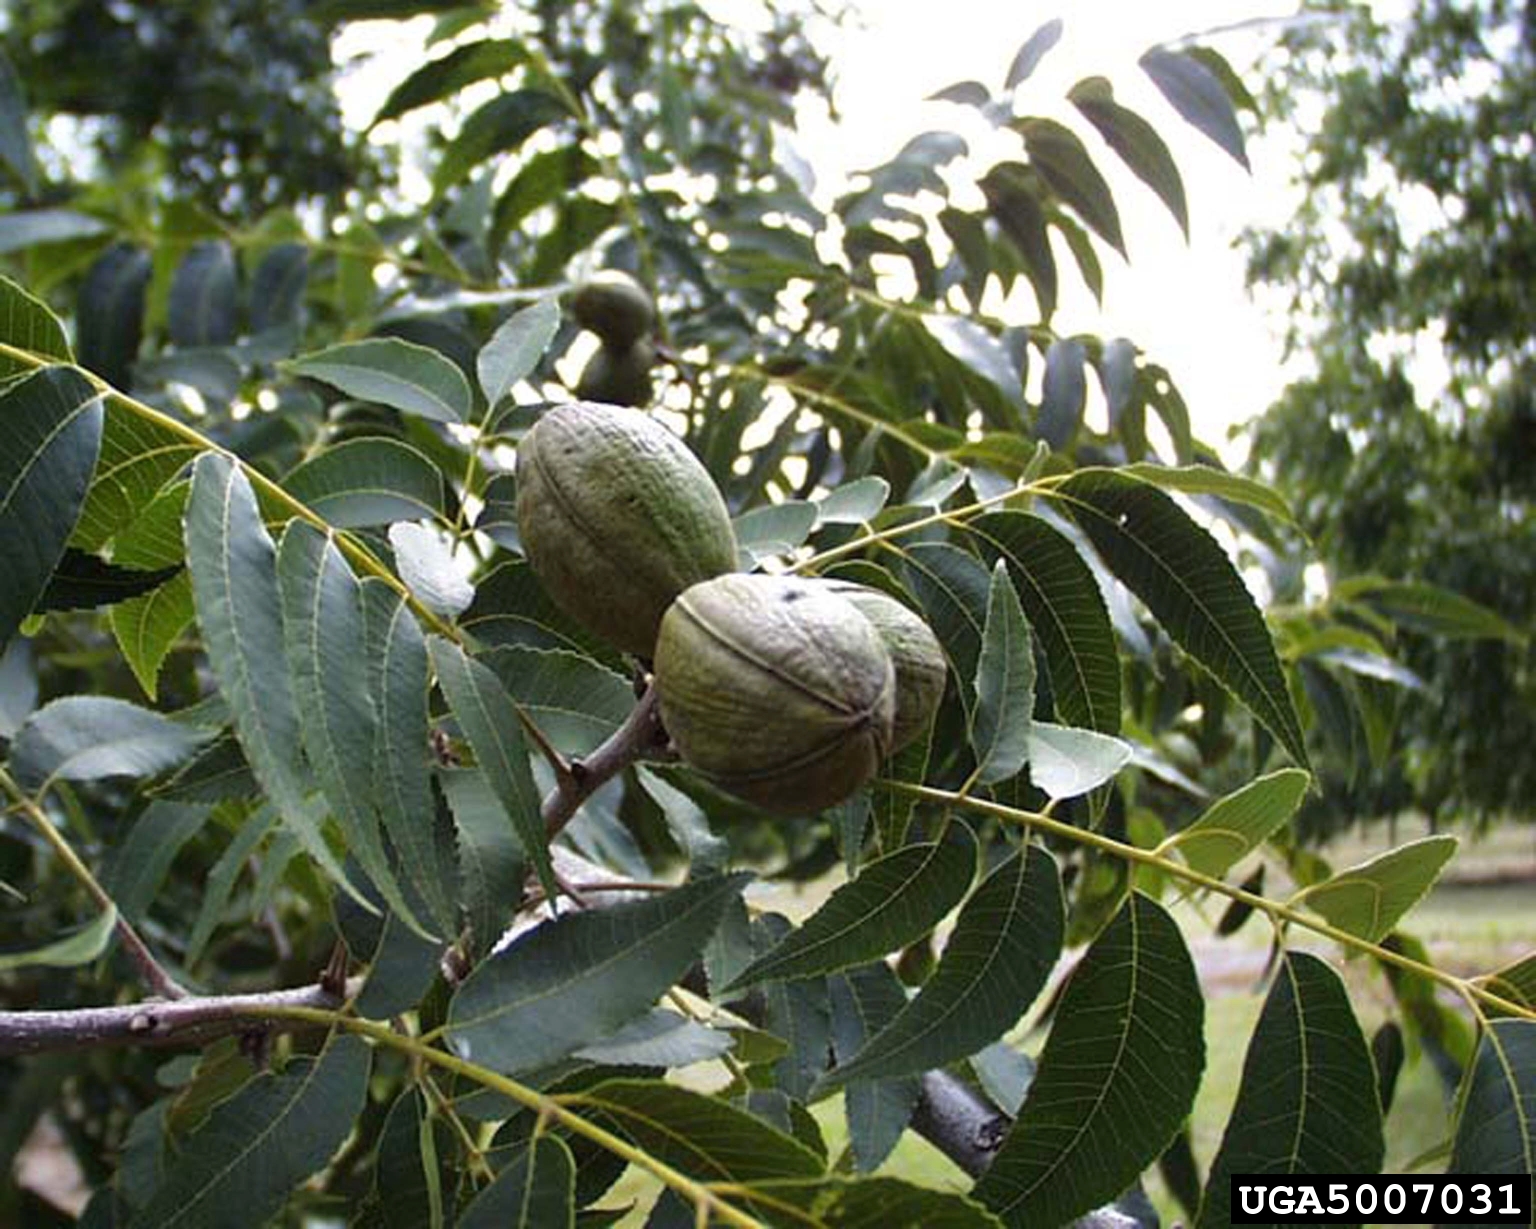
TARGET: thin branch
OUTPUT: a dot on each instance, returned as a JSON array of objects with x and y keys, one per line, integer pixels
[
  {"x": 153, "y": 973},
  {"x": 187, "y": 1021},
  {"x": 1273, "y": 909},
  {"x": 640, "y": 736}
]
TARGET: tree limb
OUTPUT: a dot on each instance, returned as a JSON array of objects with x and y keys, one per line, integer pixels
[{"x": 192, "y": 1020}]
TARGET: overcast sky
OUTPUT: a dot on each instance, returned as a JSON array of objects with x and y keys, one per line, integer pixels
[{"x": 1184, "y": 303}]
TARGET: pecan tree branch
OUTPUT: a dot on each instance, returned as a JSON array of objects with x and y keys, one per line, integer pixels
[{"x": 187, "y": 1021}]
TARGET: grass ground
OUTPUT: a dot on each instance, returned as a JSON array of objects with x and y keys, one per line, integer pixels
[{"x": 1482, "y": 915}]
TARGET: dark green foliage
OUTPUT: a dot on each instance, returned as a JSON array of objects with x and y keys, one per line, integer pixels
[{"x": 1406, "y": 448}]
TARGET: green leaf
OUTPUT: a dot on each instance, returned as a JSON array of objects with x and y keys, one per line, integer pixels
[
  {"x": 400, "y": 374},
  {"x": 424, "y": 557},
  {"x": 1429, "y": 608},
  {"x": 575, "y": 702},
  {"x": 544, "y": 177},
  {"x": 498, "y": 515},
  {"x": 147, "y": 627},
  {"x": 800, "y": 1013},
  {"x": 204, "y": 303},
  {"x": 26, "y": 321},
  {"x": 575, "y": 979},
  {"x": 1062, "y": 160},
  {"x": 498, "y": 127},
  {"x": 1191, "y": 588},
  {"x": 87, "y": 738},
  {"x": 82, "y": 947},
  {"x": 138, "y": 458},
  {"x": 491, "y": 859},
  {"x": 894, "y": 901},
  {"x": 50, "y": 433},
  {"x": 220, "y": 881},
  {"x": 773, "y": 530},
  {"x": 1067, "y": 763},
  {"x": 408, "y": 1169},
  {"x": 490, "y": 722},
  {"x": 109, "y": 312},
  {"x": 1368, "y": 900},
  {"x": 854, "y": 503},
  {"x": 1207, "y": 480},
  {"x": 511, "y": 608},
  {"x": 515, "y": 348},
  {"x": 83, "y": 581},
  {"x": 953, "y": 589},
  {"x": 234, "y": 585},
  {"x": 975, "y": 348},
  {"x": 1032, "y": 52},
  {"x": 328, "y": 668},
  {"x": 447, "y": 75},
  {"x": 1004, "y": 945},
  {"x": 701, "y": 1136},
  {"x": 369, "y": 481},
  {"x": 1013, "y": 193},
  {"x": 871, "y": 1203},
  {"x": 1198, "y": 95},
  {"x": 1496, "y": 1122},
  {"x": 1005, "y": 685},
  {"x": 660, "y": 1038},
  {"x": 864, "y": 1001},
  {"x": 1135, "y": 141},
  {"x": 1063, "y": 393},
  {"x": 1239, "y": 823},
  {"x": 1116, "y": 1079},
  {"x": 398, "y": 681},
  {"x": 238, "y": 1169},
  {"x": 537, "y": 1190},
  {"x": 24, "y": 228},
  {"x": 1516, "y": 981},
  {"x": 143, "y": 858},
  {"x": 1307, "y": 1103},
  {"x": 15, "y": 141},
  {"x": 1066, "y": 613}
]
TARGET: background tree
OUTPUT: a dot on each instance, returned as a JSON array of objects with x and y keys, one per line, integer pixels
[
  {"x": 1406, "y": 450},
  {"x": 281, "y": 691}
]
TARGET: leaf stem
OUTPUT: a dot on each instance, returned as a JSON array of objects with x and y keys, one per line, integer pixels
[
  {"x": 360, "y": 556},
  {"x": 1271, "y": 908},
  {"x": 555, "y": 1108},
  {"x": 153, "y": 973}
]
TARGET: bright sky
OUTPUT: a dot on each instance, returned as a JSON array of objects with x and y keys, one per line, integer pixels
[{"x": 1184, "y": 304}]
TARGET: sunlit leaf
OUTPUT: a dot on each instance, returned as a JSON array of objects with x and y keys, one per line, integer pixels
[
  {"x": 574, "y": 980},
  {"x": 425, "y": 559},
  {"x": 387, "y": 370},
  {"x": 854, "y": 503},
  {"x": 370, "y": 481},
  {"x": 660, "y": 1038},
  {"x": 1066, "y": 762},
  {"x": 1004, "y": 945},
  {"x": 775, "y": 529},
  {"x": 1368, "y": 900},
  {"x": 1116, "y": 1079},
  {"x": 26, "y": 322},
  {"x": 1234, "y": 826},
  {"x": 515, "y": 348},
  {"x": 82, "y": 947},
  {"x": 1307, "y": 1103}
]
